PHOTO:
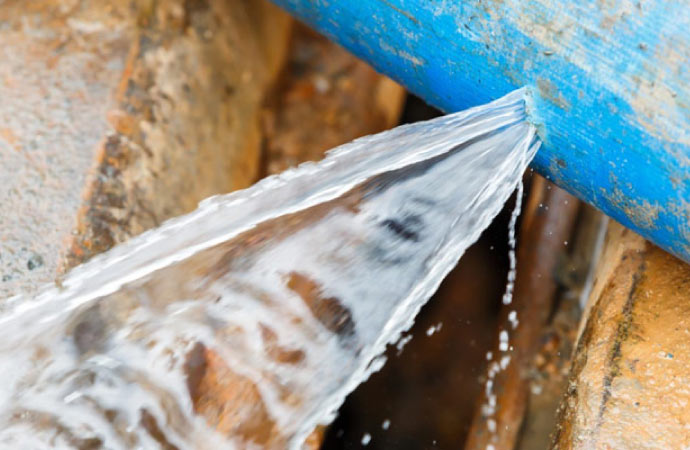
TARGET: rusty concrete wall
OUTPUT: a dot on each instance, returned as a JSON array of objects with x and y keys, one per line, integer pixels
[
  {"x": 187, "y": 120},
  {"x": 58, "y": 68},
  {"x": 119, "y": 115},
  {"x": 630, "y": 378}
]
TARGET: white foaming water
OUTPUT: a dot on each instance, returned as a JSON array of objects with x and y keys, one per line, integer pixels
[{"x": 246, "y": 323}]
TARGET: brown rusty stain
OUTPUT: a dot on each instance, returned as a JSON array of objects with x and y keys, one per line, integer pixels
[
  {"x": 327, "y": 310},
  {"x": 681, "y": 209},
  {"x": 148, "y": 421},
  {"x": 277, "y": 352},
  {"x": 58, "y": 65},
  {"x": 662, "y": 109},
  {"x": 412, "y": 18},
  {"x": 622, "y": 334},
  {"x": 642, "y": 213},
  {"x": 549, "y": 91},
  {"x": 10, "y": 137},
  {"x": 171, "y": 128},
  {"x": 229, "y": 402}
]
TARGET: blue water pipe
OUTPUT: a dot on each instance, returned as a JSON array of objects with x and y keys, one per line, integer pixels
[{"x": 609, "y": 84}]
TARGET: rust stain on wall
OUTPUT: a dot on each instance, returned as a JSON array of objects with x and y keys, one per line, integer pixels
[
  {"x": 59, "y": 62},
  {"x": 186, "y": 124},
  {"x": 549, "y": 91},
  {"x": 631, "y": 370}
]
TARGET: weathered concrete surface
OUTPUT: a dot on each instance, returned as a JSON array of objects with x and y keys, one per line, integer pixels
[
  {"x": 186, "y": 123},
  {"x": 630, "y": 377},
  {"x": 131, "y": 112},
  {"x": 59, "y": 65}
]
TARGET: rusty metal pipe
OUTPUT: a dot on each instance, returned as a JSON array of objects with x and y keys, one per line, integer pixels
[{"x": 549, "y": 220}]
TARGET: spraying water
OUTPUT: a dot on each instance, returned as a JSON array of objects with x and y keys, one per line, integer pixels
[
  {"x": 285, "y": 294},
  {"x": 504, "y": 348}
]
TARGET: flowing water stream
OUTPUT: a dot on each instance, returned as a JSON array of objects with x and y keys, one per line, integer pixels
[{"x": 245, "y": 323}]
